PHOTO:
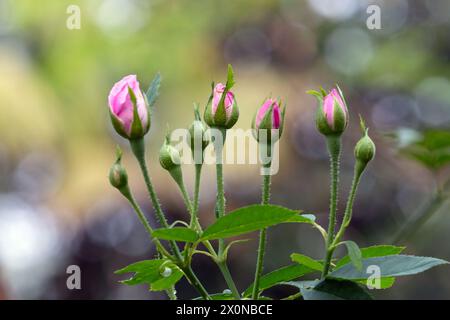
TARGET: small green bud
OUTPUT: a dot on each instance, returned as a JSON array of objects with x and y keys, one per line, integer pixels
[
  {"x": 197, "y": 132},
  {"x": 169, "y": 156},
  {"x": 117, "y": 174},
  {"x": 365, "y": 148}
]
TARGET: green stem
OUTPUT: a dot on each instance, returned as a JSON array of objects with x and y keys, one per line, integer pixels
[
  {"x": 295, "y": 296},
  {"x": 186, "y": 198},
  {"x": 138, "y": 148},
  {"x": 359, "y": 168},
  {"x": 195, "y": 282},
  {"x": 220, "y": 184},
  {"x": 126, "y": 192},
  {"x": 220, "y": 206},
  {"x": 229, "y": 279},
  {"x": 198, "y": 173},
  {"x": 129, "y": 196},
  {"x": 334, "y": 149},
  {"x": 171, "y": 292},
  {"x": 262, "y": 238}
]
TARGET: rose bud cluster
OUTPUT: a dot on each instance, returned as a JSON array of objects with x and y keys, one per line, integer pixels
[{"x": 128, "y": 108}]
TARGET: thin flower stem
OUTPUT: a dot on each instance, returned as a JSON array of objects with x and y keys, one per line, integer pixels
[
  {"x": 220, "y": 198},
  {"x": 126, "y": 192},
  {"x": 222, "y": 265},
  {"x": 186, "y": 199},
  {"x": 295, "y": 296},
  {"x": 218, "y": 145},
  {"x": 262, "y": 238},
  {"x": 198, "y": 173},
  {"x": 334, "y": 148},
  {"x": 229, "y": 279},
  {"x": 138, "y": 148},
  {"x": 129, "y": 196},
  {"x": 359, "y": 168},
  {"x": 221, "y": 212},
  {"x": 195, "y": 282}
]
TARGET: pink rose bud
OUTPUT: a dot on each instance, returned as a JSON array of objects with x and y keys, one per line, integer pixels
[
  {"x": 222, "y": 111},
  {"x": 128, "y": 108},
  {"x": 332, "y": 114},
  {"x": 228, "y": 101},
  {"x": 268, "y": 117},
  {"x": 271, "y": 110}
]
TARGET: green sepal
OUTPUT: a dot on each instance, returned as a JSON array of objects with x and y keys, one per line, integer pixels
[
  {"x": 315, "y": 93},
  {"x": 153, "y": 90},
  {"x": 234, "y": 115},
  {"x": 207, "y": 115},
  {"x": 321, "y": 121},
  {"x": 219, "y": 119},
  {"x": 118, "y": 125},
  {"x": 169, "y": 156},
  {"x": 230, "y": 78},
  {"x": 283, "y": 114},
  {"x": 137, "y": 130},
  {"x": 340, "y": 118}
]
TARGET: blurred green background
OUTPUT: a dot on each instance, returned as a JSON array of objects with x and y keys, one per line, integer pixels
[{"x": 56, "y": 142}]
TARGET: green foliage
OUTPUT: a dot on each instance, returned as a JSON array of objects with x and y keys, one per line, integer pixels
[
  {"x": 176, "y": 233},
  {"x": 279, "y": 276},
  {"x": 385, "y": 283},
  {"x": 431, "y": 147},
  {"x": 374, "y": 251},
  {"x": 354, "y": 253},
  {"x": 331, "y": 289},
  {"x": 251, "y": 218},
  {"x": 151, "y": 272},
  {"x": 219, "y": 296},
  {"x": 390, "y": 266},
  {"x": 307, "y": 261}
]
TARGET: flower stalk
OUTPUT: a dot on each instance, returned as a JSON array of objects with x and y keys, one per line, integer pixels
[
  {"x": 262, "y": 237},
  {"x": 334, "y": 149},
  {"x": 138, "y": 148}
]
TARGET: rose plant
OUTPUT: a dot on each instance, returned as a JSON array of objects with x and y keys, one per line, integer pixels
[{"x": 177, "y": 243}]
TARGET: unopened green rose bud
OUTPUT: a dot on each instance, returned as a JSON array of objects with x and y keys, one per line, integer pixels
[
  {"x": 169, "y": 156},
  {"x": 197, "y": 133},
  {"x": 117, "y": 174},
  {"x": 170, "y": 159},
  {"x": 365, "y": 148}
]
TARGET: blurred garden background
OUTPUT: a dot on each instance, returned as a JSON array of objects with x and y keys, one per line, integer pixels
[{"x": 56, "y": 142}]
